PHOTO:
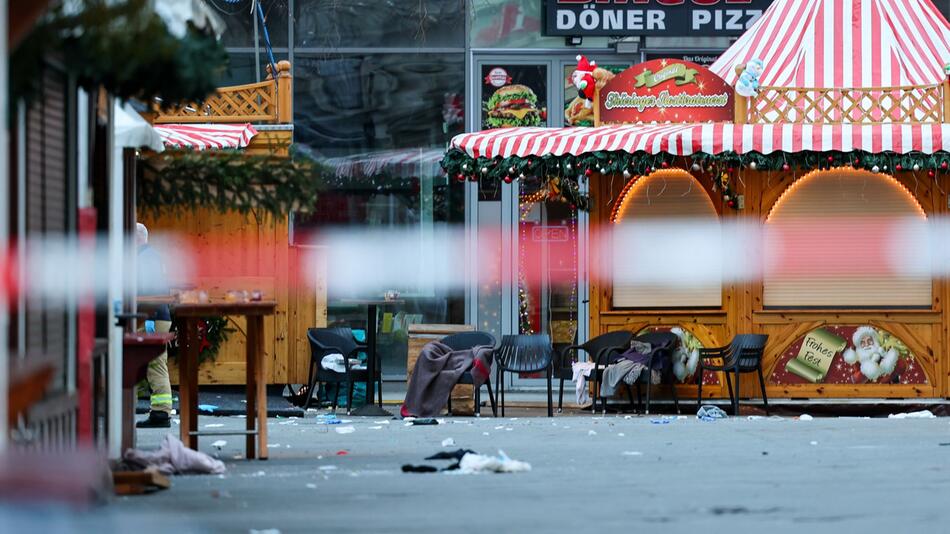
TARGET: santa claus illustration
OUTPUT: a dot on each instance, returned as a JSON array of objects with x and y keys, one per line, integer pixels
[
  {"x": 874, "y": 359},
  {"x": 684, "y": 358},
  {"x": 583, "y": 79}
]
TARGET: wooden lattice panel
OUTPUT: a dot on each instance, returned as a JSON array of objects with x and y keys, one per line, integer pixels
[
  {"x": 909, "y": 104},
  {"x": 256, "y": 102}
]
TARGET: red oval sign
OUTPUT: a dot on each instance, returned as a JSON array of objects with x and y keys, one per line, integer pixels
[{"x": 665, "y": 90}]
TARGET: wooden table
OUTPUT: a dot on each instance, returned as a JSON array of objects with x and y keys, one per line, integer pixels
[
  {"x": 256, "y": 387},
  {"x": 369, "y": 408}
]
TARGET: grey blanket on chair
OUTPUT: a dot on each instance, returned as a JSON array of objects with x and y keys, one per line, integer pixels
[{"x": 437, "y": 371}]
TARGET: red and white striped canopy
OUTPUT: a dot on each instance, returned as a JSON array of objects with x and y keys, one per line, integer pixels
[
  {"x": 206, "y": 136},
  {"x": 844, "y": 43},
  {"x": 686, "y": 139}
]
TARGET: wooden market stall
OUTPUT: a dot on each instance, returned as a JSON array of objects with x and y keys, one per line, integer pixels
[
  {"x": 839, "y": 144},
  {"x": 246, "y": 251}
]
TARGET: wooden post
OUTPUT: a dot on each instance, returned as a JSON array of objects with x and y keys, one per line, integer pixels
[
  {"x": 285, "y": 93},
  {"x": 946, "y": 100}
]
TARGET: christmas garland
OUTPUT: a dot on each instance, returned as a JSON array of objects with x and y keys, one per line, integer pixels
[
  {"x": 229, "y": 180},
  {"x": 212, "y": 333},
  {"x": 569, "y": 169}
]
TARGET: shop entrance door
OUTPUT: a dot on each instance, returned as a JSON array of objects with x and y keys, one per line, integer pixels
[{"x": 531, "y": 273}]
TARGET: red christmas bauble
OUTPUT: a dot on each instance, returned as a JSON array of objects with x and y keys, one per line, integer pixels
[
  {"x": 664, "y": 164},
  {"x": 931, "y": 173},
  {"x": 507, "y": 179},
  {"x": 945, "y": 165},
  {"x": 898, "y": 167},
  {"x": 460, "y": 177},
  {"x": 786, "y": 167},
  {"x": 588, "y": 172},
  {"x": 732, "y": 204},
  {"x": 473, "y": 178},
  {"x": 830, "y": 159}
]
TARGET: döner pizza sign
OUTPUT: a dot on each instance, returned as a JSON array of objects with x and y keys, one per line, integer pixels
[
  {"x": 664, "y": 90},
  {"x": 620, "y": 18}
]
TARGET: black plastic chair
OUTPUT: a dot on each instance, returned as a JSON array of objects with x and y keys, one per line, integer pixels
[
  {"x": 525, "y": 354},
  {"x": 594, "y": 348},
  {"x": 663, "y": 343},
  {"x": 466, "y": 341},
  {"x": 338, "y": 340},
  {"x": 742, "y": 355}
]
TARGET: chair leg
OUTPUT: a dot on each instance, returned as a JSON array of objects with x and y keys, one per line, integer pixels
[
  {"x": 676, "y": 400},
  {"x": 491, "y": 399},
  {"x": 560, "y": 394},
  {"x": 649, "y": 389},
  {"x": 735, "y": 403},
  {"x": 630, "y": 396},
  {"x": 349, "y": 397},
  {"x": 596, "y": 385},
  {"x": 449, "y": 404},
  {"x": 478, "y": 400},
  {"x": 336, "y": 395},
  {"x": 550, "y": 391},
  {"x": 379, "y": 390},
  {"x": 639, "y": 399},
  {"x": 729, "y": 384},
  {"x": 501, "y": 390},
  {"x": 311, "y": 383},
  {"x": 699, "y": 390},
  {"x": 765, "y": 397}
]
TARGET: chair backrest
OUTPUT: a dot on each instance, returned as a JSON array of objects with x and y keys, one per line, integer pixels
[
  {"x": 324, "y": 341},
  {"x": 659, "y": 339},
  {"x": 468, "y": 340},
  {"x": 619, "y": 339},
  {"x": 525, "y": 353},
  {"x": 748, "y": 348}
]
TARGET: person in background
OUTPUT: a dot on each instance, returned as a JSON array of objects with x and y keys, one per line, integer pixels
[{"x": 152, "y": 281}]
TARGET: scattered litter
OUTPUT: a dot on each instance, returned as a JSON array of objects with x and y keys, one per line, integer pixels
[
  {"x": 477, "y": 463},
  {"x": 375, "y": 428},
  {"x": 425, "y": 421},
  {"x": 754, "y": 417},
  {"x": 345, "y": 430},
  {"x": 219, "y": 444},
  {"x": 708, "y": 412},
  {"x": 327, "y": 468},
  {"x": 508, "y": 429},
  {"x": 621, "y": 434},
  {"x": 499, "y": 427},
  {"x": 805, "y": 417},
  {"x": 456, "y": 455},
  {"x": 174, "y": 412},
  {"x": 765, "y": 453},
  {"x": 943, "y": 444},
  {"x": 628, "y": 417},
  {"x": 214, "y": 425},
  {"x": 448, "y": 442},
  {"x": 662, "y": 421},
  {"x": 210, "y": 408},
  {"x": 342, "y": 453},
  {"x": 409, "y": 468},
  {"x": 680, "y": 417},
  {"x": 311, "y": 485},
  {"x": 451, "y": 455},
  {"x": 485, "y": 434},
  {"x": 265, "y": 531},
  {"x": 632, "y": 453},
  {"x": 273, "y": 446},
  {"x": 328, "y": 419},
  {"x": 173, "y": 458},
  {"x": 383, "y": 422},
  {"x": 591, "y": 432},
  {"x": 923, "y": 414},
  {"x": 176, "y": 421},
  {"x": 813, "y": 443}
]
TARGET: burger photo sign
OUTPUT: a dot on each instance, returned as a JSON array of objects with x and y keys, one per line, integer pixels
[{"x": 509, "y": 101}]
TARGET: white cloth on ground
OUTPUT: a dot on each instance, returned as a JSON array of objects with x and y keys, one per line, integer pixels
[
  {"x": 334, "y": 362},
  {"x": 174, "y": 458},
  {"x": 581, "y": 370},
  {"x": 480, "y": 463}
]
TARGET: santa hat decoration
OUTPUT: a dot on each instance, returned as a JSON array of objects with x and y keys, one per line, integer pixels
[{"x": 585, "y": 66}]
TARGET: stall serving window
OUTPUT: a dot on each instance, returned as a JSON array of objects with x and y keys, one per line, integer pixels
[
  {"x": 662, "y": 224},
  {"x": 845, "y": 238}
]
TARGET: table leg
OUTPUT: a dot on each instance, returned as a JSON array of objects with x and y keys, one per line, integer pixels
[
  {"x": 370, "y": 408},
  {"x": 260, "y": 382},
  {"x": 128, "y": 418},
  {"x": 186, "y": 403},
  {"x": 251, "y": 376}
]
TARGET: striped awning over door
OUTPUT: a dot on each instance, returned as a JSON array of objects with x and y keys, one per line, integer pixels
[
  {"x": 686, "y": 139},
  {"x": 206, "y": 136}
]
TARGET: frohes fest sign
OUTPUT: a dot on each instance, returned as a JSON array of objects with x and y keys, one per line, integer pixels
[
  {"x": 619, "y": 18},
  {"x": 664, "y": 90}
]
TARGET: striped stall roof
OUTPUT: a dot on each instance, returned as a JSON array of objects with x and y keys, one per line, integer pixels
[
  {"x": 844, "y": 43},
  {"x": 206, "y": 136},
  {"x": 712, "y": 138}
]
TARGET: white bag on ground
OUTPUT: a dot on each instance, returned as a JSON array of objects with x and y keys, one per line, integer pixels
[
  {"x": 480, "y": 463},
  {"x": 173, "y": 458}
]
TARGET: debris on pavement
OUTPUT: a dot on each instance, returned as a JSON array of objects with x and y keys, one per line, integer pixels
[
  {"x": 345, "y": 429},
  {"x": 327, "y": 419},
  {"x": 210, "y": 408},
  {"x": 448, "y": 442},
  {"x": 174, "y": 458},
  {"x": 219, "y": 444},
  {"x": 425, "y": 421},
  {"x": 805, "y": 417},
  {"x": 922, "y": 414},
  {"x": 477, "y": 463},
  {"x": 708, "y": 412},
  {"x": 632, "y": 453}
]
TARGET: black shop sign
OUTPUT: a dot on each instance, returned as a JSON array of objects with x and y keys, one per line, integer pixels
[{"x": 619, "y": 18}]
